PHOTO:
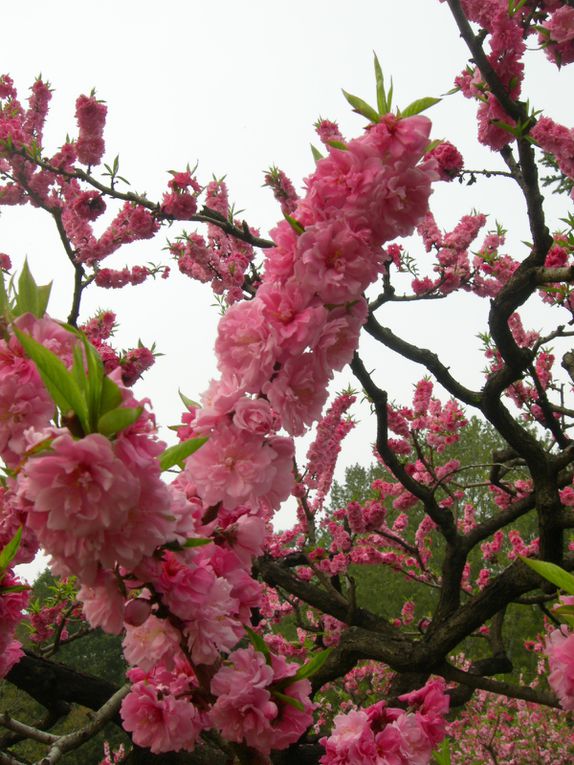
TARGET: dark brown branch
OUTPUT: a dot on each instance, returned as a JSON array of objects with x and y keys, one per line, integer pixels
[
  {"x": 206, "y": 216},
  {"x": 47, "y": 681},
  {"x": 512, "y": 108},
  {"x": 496, "y": 686},
  {"x": 426, "y": 358}
]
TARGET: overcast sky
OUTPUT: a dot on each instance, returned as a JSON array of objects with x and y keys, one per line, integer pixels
[{"x": 237, "y": 87}]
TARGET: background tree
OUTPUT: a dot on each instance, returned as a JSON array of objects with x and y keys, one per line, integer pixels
[{"x": 196, "y": 560}]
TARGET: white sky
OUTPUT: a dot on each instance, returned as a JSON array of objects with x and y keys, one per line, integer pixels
[{"x": 238, "y": 86}]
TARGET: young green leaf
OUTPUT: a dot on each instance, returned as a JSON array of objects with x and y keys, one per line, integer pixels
[
  {"x": 295, "y": 225},
  {"x": 196, "y": 542},
  {"x": 442, "y": 754},
  {"x": 362, "y": 107},
  {"x": 259, "y": 644},
  {"x": 95, "y": 381},
  {"x": 316, "y": 153},
  {"x": 175, "y": 455},
  {"x": 311, "y": 667},
  {"x": 31, "y": 298},
  {"x": 382, "y": 105},
  {"x": 188, "y": 402},
  {"x": 553, "y": 573},
  {"x": 111, "y": 396},
  {"x": 8, "y": 553},
  {"x": 287, "y": 699},
  {"x": 44, "y": 291},
  {"x": 418, "y": 106},
  {"x": 78, "y": 368},
  {"x": 27, "y": 298},
  {"x": 338, "y": 145},
  {"x": 4, "y": 299},
  {"x": 14, "y": 588},
  {"x": 566, "y": 613},
  {"x": 60, "y": 383},
  {"x": 119, "y": 419}
]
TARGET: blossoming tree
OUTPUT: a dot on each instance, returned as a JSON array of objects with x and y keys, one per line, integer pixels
[{"x": 174, "y": 548}]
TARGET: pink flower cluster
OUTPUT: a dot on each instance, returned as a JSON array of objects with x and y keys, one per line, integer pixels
[
  {"x": 557, "y": 35},
  {"x": 283, "y": 190},
  {"x": 252, "y": 701},
  {"x": 12, "y": 605},
  {"x": 157, "y": 711},
  {"x": 323, "y": 452},
  {"x": 560, "y": 651},
  {"x": 222, "y": 260},
  {"x": 381, "y": 735},
  {"x": 91, "y": 117},
  {"x": 181, "y": 203}
]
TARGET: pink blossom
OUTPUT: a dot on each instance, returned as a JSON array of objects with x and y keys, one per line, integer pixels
[
  {"x": 298, "y": 392},
  {"x": 180, "y": 206},
  {"x": 103, "y": 603},
  {"x": 89, "y": 205},
  {"x": 283, "y": 190},
  {"x": 335, "y": 261},
  {"x": 235, "y": 467},
  {"x": 96, "y": 503},
  {"x": 557, "y": 35},
  {"x": 153, "y": 642},
  {"x": 448, "y": 160},
  {"x": 9, "y": 656},
  {"x": 159, "y": 721},
  {"x": 560, "y": 651},
  {"x": 339, "y": 336},
  {"x": 255, "y": 416},
  {"x": 245, "y": 346},
  {"x": 245, "y": 709}
]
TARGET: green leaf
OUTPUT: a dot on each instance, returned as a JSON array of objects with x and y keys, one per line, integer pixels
[
  {"x": 311, "y": 667},
  {"x": 566, "y": 613},
  {"x": 390, "y": 96},
  {"x": 174, "y": 455},
  {"x": 316, "y": 153},
  {"x": 95, "y": 382},
  {"x": 382, "y": 105},
  {"x": 433, "y": 144},
  {"x": 31, "y": 298},
  {"x": 259, "y": 644},
  {"x": 27, "y": 299},
  {"x": 4, "y": 299},
  {"x": 14, "y": 588},
  {"x": 514, "y": 130},
  {"x": 287, "y": 699},
  {"x": 78, "y": 368},
  {"x": 115, "y": 420},
  {"x": 60, "y": 383},
  {"x": 111, "y": 396},
  {"x": 197, "y": 542},
  {"x": 8, "y": 553},
  {"x": 188, "y": 402},
  {"x": 338, "y": 145},
  {"x": 553, "y": 573},
  {"x": 442, "y": 754},
  {"x": 418, "y": 106},
  {"x": 295, "y": 225},
  {"x": 362, "y": 107},
  {"x": 44, "y": 291}
]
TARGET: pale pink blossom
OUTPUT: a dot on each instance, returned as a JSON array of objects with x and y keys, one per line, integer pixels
[
  {"x": 245, "y": 345},
  {"x": 153, "y": 642},
  {"x": 560, "y": 651},
  {"x": 160, "y": 721},
  {"x": 298, "y": 393}
]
